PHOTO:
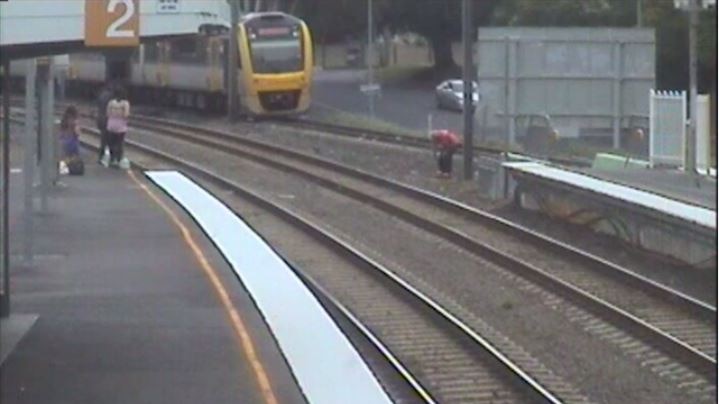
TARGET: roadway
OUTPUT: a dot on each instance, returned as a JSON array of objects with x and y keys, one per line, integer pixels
[{"x": 403, "y": 104}]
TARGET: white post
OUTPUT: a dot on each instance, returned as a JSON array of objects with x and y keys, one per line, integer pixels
[
  {"x": 652, "y": 96},
  {"x": 684, "y": 130},
  {"x": 702, "y": 133}
]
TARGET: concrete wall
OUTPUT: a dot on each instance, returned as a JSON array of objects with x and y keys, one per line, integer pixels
[{"x": 589, "y": 81}]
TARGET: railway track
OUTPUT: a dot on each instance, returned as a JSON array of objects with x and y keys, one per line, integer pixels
[
  {"x": 680, "y": 326},
  {"x": 403, "y": 324},
  {"x": 399, "y": 139},
  {"x": 686, "y": 335},
  {"x": 408, "y": 140}
]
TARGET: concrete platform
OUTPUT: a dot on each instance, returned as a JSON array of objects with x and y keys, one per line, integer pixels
[
  {"x": 668, "y": 213},
  {"x": 697, "y": 190},
  {"x": 12, "y": 330},
  {"x": 125, "y": 313}
]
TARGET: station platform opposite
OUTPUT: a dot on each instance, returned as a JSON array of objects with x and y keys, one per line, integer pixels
[
  {"x": 699, "y": 190},
  {"x": 115, "y": 306},
  {"x": 669, "y": 213}
]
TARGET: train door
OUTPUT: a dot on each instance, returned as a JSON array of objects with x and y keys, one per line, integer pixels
[
  {"x": 163, "y": 63},
  {"x": 225, "y": 61},
  {"x": 216, "y": 72},
  {"x": 118, "y": 69},
  {"x": 224, "y": 57},
  {"x": 214, "y": 75},
  {"x": 117, "y": 66},
  {"x": 141, "y": 79}
]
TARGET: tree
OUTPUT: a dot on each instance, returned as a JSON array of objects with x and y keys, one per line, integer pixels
[
  {"x": 334, "y": 20},
  {"x": 439, "y": 21},
  {"x": 672, "y": 27},
  {"x": 672, "y": 49},
  {"x": 566, "y": 13}
]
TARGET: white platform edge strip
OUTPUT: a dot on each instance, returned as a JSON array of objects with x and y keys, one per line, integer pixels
[
  {"x": 326, "y": 365},
  {"x": 695, "y": 214}
]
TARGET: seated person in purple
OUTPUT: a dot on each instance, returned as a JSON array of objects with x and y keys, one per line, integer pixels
[{"x": 70, "y": 134}]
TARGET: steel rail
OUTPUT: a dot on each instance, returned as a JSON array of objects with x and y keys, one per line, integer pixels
[
  {"x": 601, "y": 265},
  {"x": 408, "y": 140},
  {"x": 671, "y": 345},
  {"x": 686, "y": 353},
  {"x": 535, "y": 391}
]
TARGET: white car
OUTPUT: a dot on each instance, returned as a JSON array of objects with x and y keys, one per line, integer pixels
[{"x": 450, "y": 95}]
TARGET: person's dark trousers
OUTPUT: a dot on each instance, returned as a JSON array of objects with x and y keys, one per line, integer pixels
[
  {"x": 116, "y": 144},
  {"x": 445, "y": 161},
  {"x": 104, "y": 143},
  {"x": 120, "y": 151}
]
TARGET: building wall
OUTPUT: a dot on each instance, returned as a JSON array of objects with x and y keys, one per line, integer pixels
[{"x": 588, "y": 81}]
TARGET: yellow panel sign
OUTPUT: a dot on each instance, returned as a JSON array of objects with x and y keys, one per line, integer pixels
[{"x": 112, "y": 22}]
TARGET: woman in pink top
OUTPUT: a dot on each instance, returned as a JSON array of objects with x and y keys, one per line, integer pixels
[{"x": 118, "y": 112}]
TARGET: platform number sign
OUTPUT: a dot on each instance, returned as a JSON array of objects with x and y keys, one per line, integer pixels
[{"x": 112, "y": 22}]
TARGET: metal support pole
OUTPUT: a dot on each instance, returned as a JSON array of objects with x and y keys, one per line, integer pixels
[
  {"x": 640, "y": 13},
  {"x": 468, "y": 109},
  {"x": 370, "y": 57},
  {"x": 507, "y": 117},
  {"x": 5, "y": 297},
  {"x": 512, "y": 61},
  {"x": 42, "y": 78},
  {"x": 46, "y": 90},
  {"x": 617, "y": 96},
  {"x": 691, "y": 151},
  {"x": 232, "y": 63},
  {"x": 30, "y": 148}
]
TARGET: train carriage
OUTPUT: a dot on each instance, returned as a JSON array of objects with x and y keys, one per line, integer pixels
[
  {"x": 275, "y": 67},
  {"x": 276, "y": 54}
]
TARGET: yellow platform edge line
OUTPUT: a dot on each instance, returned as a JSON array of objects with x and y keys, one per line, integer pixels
[{"x": 243, "y": 336}]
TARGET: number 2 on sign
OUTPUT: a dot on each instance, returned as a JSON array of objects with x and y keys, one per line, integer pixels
[
  {"x": 112, "y": 22},
  {"x": 112, "y": 30}
]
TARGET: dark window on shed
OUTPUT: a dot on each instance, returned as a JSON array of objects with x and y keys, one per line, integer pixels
[
  {"x": 152, "y": 52},
  {"x": 189, "y": 50}
]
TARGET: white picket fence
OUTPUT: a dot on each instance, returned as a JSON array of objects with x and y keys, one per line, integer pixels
[
  {"x": 667, "y": 127},
  {"x": 703, "y": 140}
]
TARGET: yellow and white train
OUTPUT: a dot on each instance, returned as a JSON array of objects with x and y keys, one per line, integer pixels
[{"x": 274, "y": 75}]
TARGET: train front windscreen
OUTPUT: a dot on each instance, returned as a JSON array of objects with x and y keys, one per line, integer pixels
[{"x": 276, "y": 49}]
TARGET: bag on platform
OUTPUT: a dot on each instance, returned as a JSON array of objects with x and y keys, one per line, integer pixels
[{"x": 76, "y": 166}]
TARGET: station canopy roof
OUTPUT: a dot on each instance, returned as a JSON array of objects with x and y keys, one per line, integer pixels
[{"x": 32, "y": 28}]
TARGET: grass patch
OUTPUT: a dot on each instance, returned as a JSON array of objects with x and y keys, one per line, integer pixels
[
  {"x": 498, "y": 145},
  {"x": 569, "y": 147},
  {"x": 344, "y": 118}
]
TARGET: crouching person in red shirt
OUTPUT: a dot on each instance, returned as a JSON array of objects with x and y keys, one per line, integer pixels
[{"x": 445, "y": 144}]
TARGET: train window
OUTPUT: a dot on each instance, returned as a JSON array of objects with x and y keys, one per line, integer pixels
[
  {"x": 188, "y": 50},
  {"x": 136, "y": 55},
  {"x": 276, "y": 49},
  {"x": 152, "y": 50}
]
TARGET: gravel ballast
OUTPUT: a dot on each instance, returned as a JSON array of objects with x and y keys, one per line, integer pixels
[{"x": 544, "y": 325}]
